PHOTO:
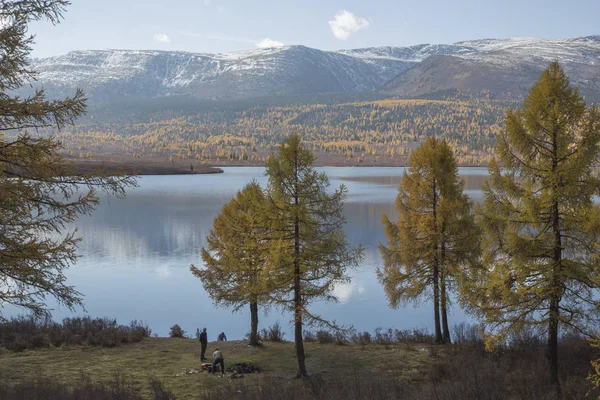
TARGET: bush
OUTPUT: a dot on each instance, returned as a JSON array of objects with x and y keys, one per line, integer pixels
[
  {"x": 415, "y": 335},
  {"x": 160, "y": 393},
  {"x": 84, "y": 389},
  {"x": 467, "y": 334},
  {"x": 21, "y": 333},
  {"x": 384, "y": 337},
  {"x": 325, "y": 337},
  {"x": 361, "y": 338},
  {"x": 273, "y": 333},
  {"x": 309, "y": 336},
  {"x": 176, "y": 332}
]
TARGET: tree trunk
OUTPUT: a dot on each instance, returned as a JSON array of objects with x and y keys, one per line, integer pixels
[
  {"x": 436, "y": 274},
  {"x": 556, "y": 280},
  {"x": 436, "y": 305},
  {"x": 554, "y": 304},
  {"x": 253, "y": 324},
  {"x": 444, "y": 298},
  {"x": 297, "y": 283},
  {"x": 446, "y": 331},
  {"x": 553, "y": 346},
  {"x": 298, "y": 328}
]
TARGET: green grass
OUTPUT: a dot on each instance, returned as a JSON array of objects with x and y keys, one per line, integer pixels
[{"x": 163, "y": 358}]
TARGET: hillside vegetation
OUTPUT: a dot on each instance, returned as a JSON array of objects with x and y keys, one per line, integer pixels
[{"x": 375, "y": 132}]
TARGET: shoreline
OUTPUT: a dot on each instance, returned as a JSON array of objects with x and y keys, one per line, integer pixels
[
  {"x": 159, "y": 167},
  {"x": 141, "y": 167}
]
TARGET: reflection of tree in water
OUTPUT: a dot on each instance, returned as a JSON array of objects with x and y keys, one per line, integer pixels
[
  {"x": 472, "y": 182},
  {"x": 364, "y": 222},
  {"x": 148, "y": 224}
]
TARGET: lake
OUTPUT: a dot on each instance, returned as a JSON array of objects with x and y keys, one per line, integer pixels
[{"x": 136, "y": 253}]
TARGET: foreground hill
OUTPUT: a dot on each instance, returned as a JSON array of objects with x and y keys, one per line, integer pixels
[
  {"x": 391, "y": 370},
  {"x": 497, "y": 66},
  {"x": 164, "y": 358}
]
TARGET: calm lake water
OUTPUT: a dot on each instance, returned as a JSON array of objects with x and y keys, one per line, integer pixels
[{"x": 136, "y": 253}]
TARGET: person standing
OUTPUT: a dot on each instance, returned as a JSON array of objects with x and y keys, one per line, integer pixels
[
  {"x": 218, "y": 359},
  {"x": 203, "y": 343}
]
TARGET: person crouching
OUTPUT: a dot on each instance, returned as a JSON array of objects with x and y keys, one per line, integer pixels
[{"x": 218, "y": 359}]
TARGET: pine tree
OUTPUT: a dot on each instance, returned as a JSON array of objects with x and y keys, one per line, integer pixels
[
  {"x": 309, "y": 250},
  {"x": 236, "y": 255},
  {"x": 435, "y": 235},
  {"x": 539, "y": 219},
  {"x": 40, "y": 193}
]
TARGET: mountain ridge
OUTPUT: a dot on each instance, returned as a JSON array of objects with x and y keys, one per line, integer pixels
[{"x": 299, "y": 70}]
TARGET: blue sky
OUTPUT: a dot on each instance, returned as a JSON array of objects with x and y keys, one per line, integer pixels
[{"x": 212, "y": 26}]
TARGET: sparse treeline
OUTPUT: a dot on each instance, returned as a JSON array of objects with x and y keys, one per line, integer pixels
[{"x": 526, "y": 257}]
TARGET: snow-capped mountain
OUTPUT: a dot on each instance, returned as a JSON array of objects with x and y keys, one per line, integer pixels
[{"x": 293, "y": 70}]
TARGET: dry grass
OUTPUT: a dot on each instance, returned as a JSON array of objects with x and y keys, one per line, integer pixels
[{"x": 163, "y": 358}]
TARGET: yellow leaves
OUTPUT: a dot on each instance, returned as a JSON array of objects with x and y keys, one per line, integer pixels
[
  {"x": 382, "y": 130},
  {"x": 492, "y": 341},
  {"x": 595, "y": 376}
]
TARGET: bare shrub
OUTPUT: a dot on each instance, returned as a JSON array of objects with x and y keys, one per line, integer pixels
[
  {"x": 22, "y": 333},
  {"x": 309, "y": 336},
  {"x": 273, "y": 334},
  {"x": 363, "y": 338},
  {"x": 465, "y": 333},
  {"x": 85, "y": 389}
]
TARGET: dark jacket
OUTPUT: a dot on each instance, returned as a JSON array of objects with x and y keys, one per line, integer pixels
[{"x": 203, "y": 338}]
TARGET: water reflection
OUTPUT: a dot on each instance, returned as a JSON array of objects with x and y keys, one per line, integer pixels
[{"x": 136, "y": 253}]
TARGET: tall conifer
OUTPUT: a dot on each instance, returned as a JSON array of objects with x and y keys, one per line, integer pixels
[
  {"x": 434, "y": 237},
  {"x": 236, "y": 254},
  {"x": 539, "y": 218},
  {"x": 40, "y": 192},
  {"x": 309, "y": 251}
]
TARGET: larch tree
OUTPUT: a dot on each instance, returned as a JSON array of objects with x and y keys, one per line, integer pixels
[
  {"x": 236, "y": 254},
  {"x": 309, "y": 253},
  {"x": 40, "y": 194},
  {"x": 540, "y": 223},
  {"x": 435, "y": 235}
]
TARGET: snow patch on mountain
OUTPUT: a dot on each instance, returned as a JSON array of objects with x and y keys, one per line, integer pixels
[{"x": 287, "y": 69}]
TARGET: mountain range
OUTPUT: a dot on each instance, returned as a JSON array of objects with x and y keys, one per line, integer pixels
[{"x": 496, "y": 67}]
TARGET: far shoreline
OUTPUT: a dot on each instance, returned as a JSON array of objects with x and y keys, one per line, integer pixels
[{"x": 157, "y": 167}]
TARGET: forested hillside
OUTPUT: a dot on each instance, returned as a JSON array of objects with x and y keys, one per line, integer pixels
[{"x": 373, "y": 132}]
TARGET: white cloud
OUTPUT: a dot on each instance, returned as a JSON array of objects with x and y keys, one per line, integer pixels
[
  {"x": 266, "y": 42},
  {"x": 161, "y": 37},
  {"x": 344, "y": 24},
  {"x": 206, "y": 2},
  {"x": 343, "y": 291}
]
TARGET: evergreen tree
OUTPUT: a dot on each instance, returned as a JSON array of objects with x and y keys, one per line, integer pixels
[
  {"x": 236, "y": 254},
  {"x": 40, "y": 194},
  {"x": 539, "y": 219},
  {"x": 309, "y": 251},
  {"x": 435, "y": 234}
]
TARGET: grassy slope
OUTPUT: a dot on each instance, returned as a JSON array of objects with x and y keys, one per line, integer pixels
[{"x": 165, "y": 357}]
